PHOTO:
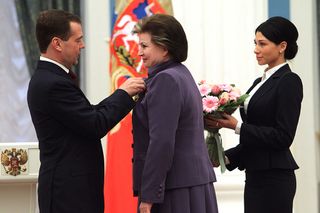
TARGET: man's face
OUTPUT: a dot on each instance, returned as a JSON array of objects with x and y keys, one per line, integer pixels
[{"x": 72, "y": 47}]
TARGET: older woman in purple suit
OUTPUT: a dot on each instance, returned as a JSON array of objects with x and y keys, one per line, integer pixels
[{"x": 172, "y": 172}]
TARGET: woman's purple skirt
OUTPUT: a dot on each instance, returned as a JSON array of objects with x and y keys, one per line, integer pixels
[{"x": 195, "y": 199}]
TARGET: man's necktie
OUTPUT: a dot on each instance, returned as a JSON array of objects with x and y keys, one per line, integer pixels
[{"x": 74, "y": 78}]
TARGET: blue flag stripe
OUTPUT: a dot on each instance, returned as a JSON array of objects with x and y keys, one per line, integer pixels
[{"x": 279, "y": 8}]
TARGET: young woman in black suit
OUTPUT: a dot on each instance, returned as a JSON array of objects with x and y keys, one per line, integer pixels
[{"x": 269, "y": 120}]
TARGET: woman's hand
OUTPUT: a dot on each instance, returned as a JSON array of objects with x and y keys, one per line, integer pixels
[
  {"x": 145, "y": 207},
  {"x": 228, "y": 121},
  {"x": 210, "y": 123}
]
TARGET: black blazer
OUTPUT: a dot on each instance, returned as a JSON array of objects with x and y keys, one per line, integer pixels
[
  {"x": 270, "y": 124},
  {"x": 69, "y": 130}
]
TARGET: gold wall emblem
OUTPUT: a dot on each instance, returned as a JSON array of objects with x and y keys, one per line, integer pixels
[{"x": 14, "y": 161}]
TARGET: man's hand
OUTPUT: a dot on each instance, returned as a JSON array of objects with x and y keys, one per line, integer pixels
[
  {"x": 145, "y": 207},
  {"x": 133, "y": 86}
]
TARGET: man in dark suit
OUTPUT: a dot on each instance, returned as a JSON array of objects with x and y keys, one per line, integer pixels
[{"x": 68, "y": 127}]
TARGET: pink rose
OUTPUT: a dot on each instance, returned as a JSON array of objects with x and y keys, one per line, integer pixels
[
  {"x": 215, "y": 89},
  {"x": 225, "y": 87},
  {"x": 202, "y": 82},
  {"x": 223, "y": 101},
  {"x": 224, "y": 98},
  {"x": 234, "y": 94},
  {"x": 210, "y": 103},
  {"x": 204, "y": 89}
]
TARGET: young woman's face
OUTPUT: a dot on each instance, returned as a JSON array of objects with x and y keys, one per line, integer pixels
[
  {"x": 268, "y": 52},
  {"x": 151, "y": 53}
]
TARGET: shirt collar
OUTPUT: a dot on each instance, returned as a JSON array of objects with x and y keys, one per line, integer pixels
[
  {"x": 273, "y": 70},
  {"x": 42, "y": 58}
]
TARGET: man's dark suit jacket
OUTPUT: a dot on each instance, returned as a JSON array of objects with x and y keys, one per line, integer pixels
[
  {"x": 169, "y": 148},
  {"x": 69, "y": 130},
  {"x": 270, "y": 124}
]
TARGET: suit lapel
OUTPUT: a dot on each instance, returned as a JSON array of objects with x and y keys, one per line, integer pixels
[
  {"x": 253, "y": 85},
  {"x": 58, "y": 71},
  {"x": 242, "y": 112},
  {"x": 267, "y": 85},
  {"x": 261, "y": 92}
]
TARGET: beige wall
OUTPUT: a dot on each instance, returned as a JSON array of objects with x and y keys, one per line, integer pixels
[{"x": 306, "y": 146}]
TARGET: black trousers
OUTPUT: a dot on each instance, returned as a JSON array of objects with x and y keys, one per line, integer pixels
[{"x": 269, "y": 191}]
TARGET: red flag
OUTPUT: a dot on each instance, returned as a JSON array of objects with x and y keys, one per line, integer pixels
[{"x": 125, "y": 63}]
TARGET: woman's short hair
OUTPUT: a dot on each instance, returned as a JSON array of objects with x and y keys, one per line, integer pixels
[
  {"x": 278, "y": 29},
  {"x": 53, "y": 23},
  {"x": 167, "y": 32}
]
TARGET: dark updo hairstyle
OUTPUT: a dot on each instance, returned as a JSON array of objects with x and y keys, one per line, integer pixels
[
  {"x": 278, "y": 29},
  {"x": 167, "y": 32}
]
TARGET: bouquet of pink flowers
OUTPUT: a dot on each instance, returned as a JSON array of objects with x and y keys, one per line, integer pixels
[{"x": 217, "y": 99}]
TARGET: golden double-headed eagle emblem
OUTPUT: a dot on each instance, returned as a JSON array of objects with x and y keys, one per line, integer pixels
[{"x": 14, "y": 161}]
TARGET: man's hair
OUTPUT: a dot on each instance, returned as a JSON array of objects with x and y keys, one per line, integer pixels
[{"x": 53, "y": 23}]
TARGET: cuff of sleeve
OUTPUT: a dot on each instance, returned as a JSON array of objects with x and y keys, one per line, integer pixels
[
  {"x": 126, "y": 96},
  {"x": 226, "y": 160},
  {"x": 154, "y": 195},
  {"x": 238, "y": 128},
  {"x": 154, "y": 199}
]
